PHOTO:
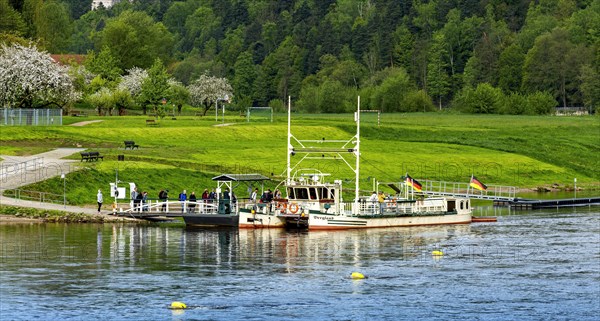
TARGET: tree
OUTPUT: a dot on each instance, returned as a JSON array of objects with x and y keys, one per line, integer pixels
[
  {"x": 388, "y": 96},
  {"x": 11, "y": 21},
  {"x": 590, "y": 87},
  {"x": 511, "y": 68},
  {"x": 133, "y": 80},
  {"x": 53, "y": 25},
  {"x": 31, "y": 79},
  {"x": 136, "y": 39},
  {"x": 485, "y": 99},
  {"x": 154, "y": 87},
  {"x": 245, "y": 75},
  {"x": 102, "y": 100},
  {"x": 438, "y": 84},
  {"x": 205, "y": 91},
  {"x": 177, "y": 94},
  {"x": 104, "y": 64},
  {"x": 553, "y": 65}
]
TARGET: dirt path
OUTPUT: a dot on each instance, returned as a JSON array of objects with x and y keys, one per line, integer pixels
[{"x": 87, "y": 122}]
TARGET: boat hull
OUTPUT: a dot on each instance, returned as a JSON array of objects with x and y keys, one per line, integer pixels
[
  {"x": 211, "y": 220},
  {"x": 247, "y": 219},
  {"x": 338, "y": 222}
]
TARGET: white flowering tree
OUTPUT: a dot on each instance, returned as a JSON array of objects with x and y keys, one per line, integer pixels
[
  {"x": 205, "y": 91},
  {"x": 133, "y": 80},
  {"x": 31, "y": 79}
]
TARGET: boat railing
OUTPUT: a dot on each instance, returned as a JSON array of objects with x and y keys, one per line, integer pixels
[
  {"x": 263, "y": 208},
  {"x": 158, "y": 206}
]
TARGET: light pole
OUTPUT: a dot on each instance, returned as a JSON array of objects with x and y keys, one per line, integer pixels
[
  {"x": 226, "y": 98},
  {"x": 64, "y": 178}
]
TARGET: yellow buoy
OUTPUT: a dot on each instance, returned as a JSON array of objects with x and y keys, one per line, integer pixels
[
  {"x": 437, "y": 253},
  {"x": 357, "y": 275},
  {"x": 178, "y": 305}
]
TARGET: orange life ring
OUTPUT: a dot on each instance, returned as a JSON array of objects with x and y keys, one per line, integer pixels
[
  {"x": 293, "y": 208},
  {"x": 281, "y": 207}
]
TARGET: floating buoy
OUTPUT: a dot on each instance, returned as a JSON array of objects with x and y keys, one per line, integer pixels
[
  {"x": 357, "y": 275},
  {"x": 437, "y": 253},
  {"x": 178, "y": 305}
]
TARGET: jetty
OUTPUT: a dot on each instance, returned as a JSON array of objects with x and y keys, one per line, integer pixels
[{"x": 520, "y": 203}]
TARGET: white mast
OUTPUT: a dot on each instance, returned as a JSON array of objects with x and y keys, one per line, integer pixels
[
  {"x": 289, "y": 141},
  {"x": 357, "y": 153}
]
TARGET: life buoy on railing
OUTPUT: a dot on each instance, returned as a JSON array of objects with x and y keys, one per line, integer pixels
[
  {"x": 281, "y": 206},
  {"x": 294, "y": 208}
]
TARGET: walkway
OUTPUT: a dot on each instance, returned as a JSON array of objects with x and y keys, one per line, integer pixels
[{"x": 17, "y": 171}]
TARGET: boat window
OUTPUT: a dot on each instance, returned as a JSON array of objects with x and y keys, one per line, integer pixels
[
  {"x": 461, "y": 205},
  {"x": 467, "y": 205},
  {"x": 313, "y": 193},
  {"x": 331, "y": 193},
  {"x": 291, "y": 193},
  {"x": 301, "y": 193}
]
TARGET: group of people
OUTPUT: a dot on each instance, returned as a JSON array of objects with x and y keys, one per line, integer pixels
[
  {"x": 266, "y": 197},
  {"x": 378, "y": 198},
  {"x": 139, "y": 200}
]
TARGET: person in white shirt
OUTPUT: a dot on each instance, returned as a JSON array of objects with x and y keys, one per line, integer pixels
[{"x": 100, "y": 200}]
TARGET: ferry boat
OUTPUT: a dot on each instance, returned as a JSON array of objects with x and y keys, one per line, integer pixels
[
  {"x": 223, "y": 210},
  {"x": 317, "y": 205}
]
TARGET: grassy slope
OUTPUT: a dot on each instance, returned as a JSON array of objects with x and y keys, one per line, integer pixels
[{"x": 185, "y": 153}]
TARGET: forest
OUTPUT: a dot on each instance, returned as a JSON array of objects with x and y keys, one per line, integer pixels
[{"x": 474, "y": 56}]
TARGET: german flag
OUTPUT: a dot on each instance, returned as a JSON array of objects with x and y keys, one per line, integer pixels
[
  {"x": 413, "y": 182},
  {"x": 475, "y": 183}
]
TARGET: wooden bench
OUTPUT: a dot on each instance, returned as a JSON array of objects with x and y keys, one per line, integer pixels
[
  {"x": 131, "y": 144},
  {"x": 77, "y": 113},
  {"x": 151, "y": 122},
  {"x": 91, "y": 156}
]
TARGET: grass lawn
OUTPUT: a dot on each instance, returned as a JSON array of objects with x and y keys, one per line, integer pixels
[{"x": 522, "y": 151}]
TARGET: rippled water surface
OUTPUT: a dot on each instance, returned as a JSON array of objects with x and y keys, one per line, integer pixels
[{"x": 527, "y": 266}]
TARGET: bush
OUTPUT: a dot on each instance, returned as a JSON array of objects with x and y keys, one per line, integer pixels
[
  {"x": 515, "y": 104},
  {"x": 485, "y": 99},
  {"x": 417, "y": 100},
  {"x": 541, "y": 103}
]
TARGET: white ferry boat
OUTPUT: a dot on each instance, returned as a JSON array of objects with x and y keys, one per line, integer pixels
[{"x": 317, "y": 205}]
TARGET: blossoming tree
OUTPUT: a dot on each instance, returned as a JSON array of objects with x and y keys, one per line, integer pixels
[{"x": 30, "y": 78}]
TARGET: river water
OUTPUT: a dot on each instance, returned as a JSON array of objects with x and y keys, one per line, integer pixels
[{"x": 538, "y": 265}]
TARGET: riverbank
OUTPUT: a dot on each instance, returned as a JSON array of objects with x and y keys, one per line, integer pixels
[{"x": 17, "y": 214}]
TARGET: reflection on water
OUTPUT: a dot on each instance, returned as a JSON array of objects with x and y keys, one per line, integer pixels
[{"x": 537, "y": 266}]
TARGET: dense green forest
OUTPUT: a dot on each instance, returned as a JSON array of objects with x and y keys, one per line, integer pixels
[{"x": 482, "y": 56}]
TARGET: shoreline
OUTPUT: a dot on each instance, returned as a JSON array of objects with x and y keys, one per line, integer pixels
[{"x": 10, "y": 214}]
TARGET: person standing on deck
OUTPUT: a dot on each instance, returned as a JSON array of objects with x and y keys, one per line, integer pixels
[
  {"x": 205, "y": 195},
  {"x": 381, "y": 200},
  {"x": 192, "y": 204},
  {"x": 100, "y": 200},
  {"x": 182, "y": 199},
  {"x": 145, "y": 201},
  {"x": 373, "y": 200},
  {"x": 253, "y": 196},
  {"x": 163, "y": 196}
]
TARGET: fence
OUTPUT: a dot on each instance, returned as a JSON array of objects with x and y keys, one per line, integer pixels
[
  {"x": 30, "y": 117},
  {"x": 35, "y": 196}
]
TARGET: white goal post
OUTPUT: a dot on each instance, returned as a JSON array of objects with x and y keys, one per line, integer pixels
[
  {"x": 373, "y": 111},
  {"x": 269, "y": 109}
]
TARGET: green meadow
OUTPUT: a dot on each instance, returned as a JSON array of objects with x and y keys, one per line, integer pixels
[{"x": 521, "y": 151}]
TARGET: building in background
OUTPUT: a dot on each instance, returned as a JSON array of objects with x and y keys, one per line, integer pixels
[{"x": 105, "y": 3}]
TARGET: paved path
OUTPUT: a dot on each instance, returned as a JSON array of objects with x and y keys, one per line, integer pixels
[
  {"x": 17, "y": 171},
  {"x": 14, "y": 176}
]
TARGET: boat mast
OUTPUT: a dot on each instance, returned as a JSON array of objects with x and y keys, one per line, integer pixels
[
  {"x": 289, "y": 142},
  {"x": 357, "y": 154}
]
